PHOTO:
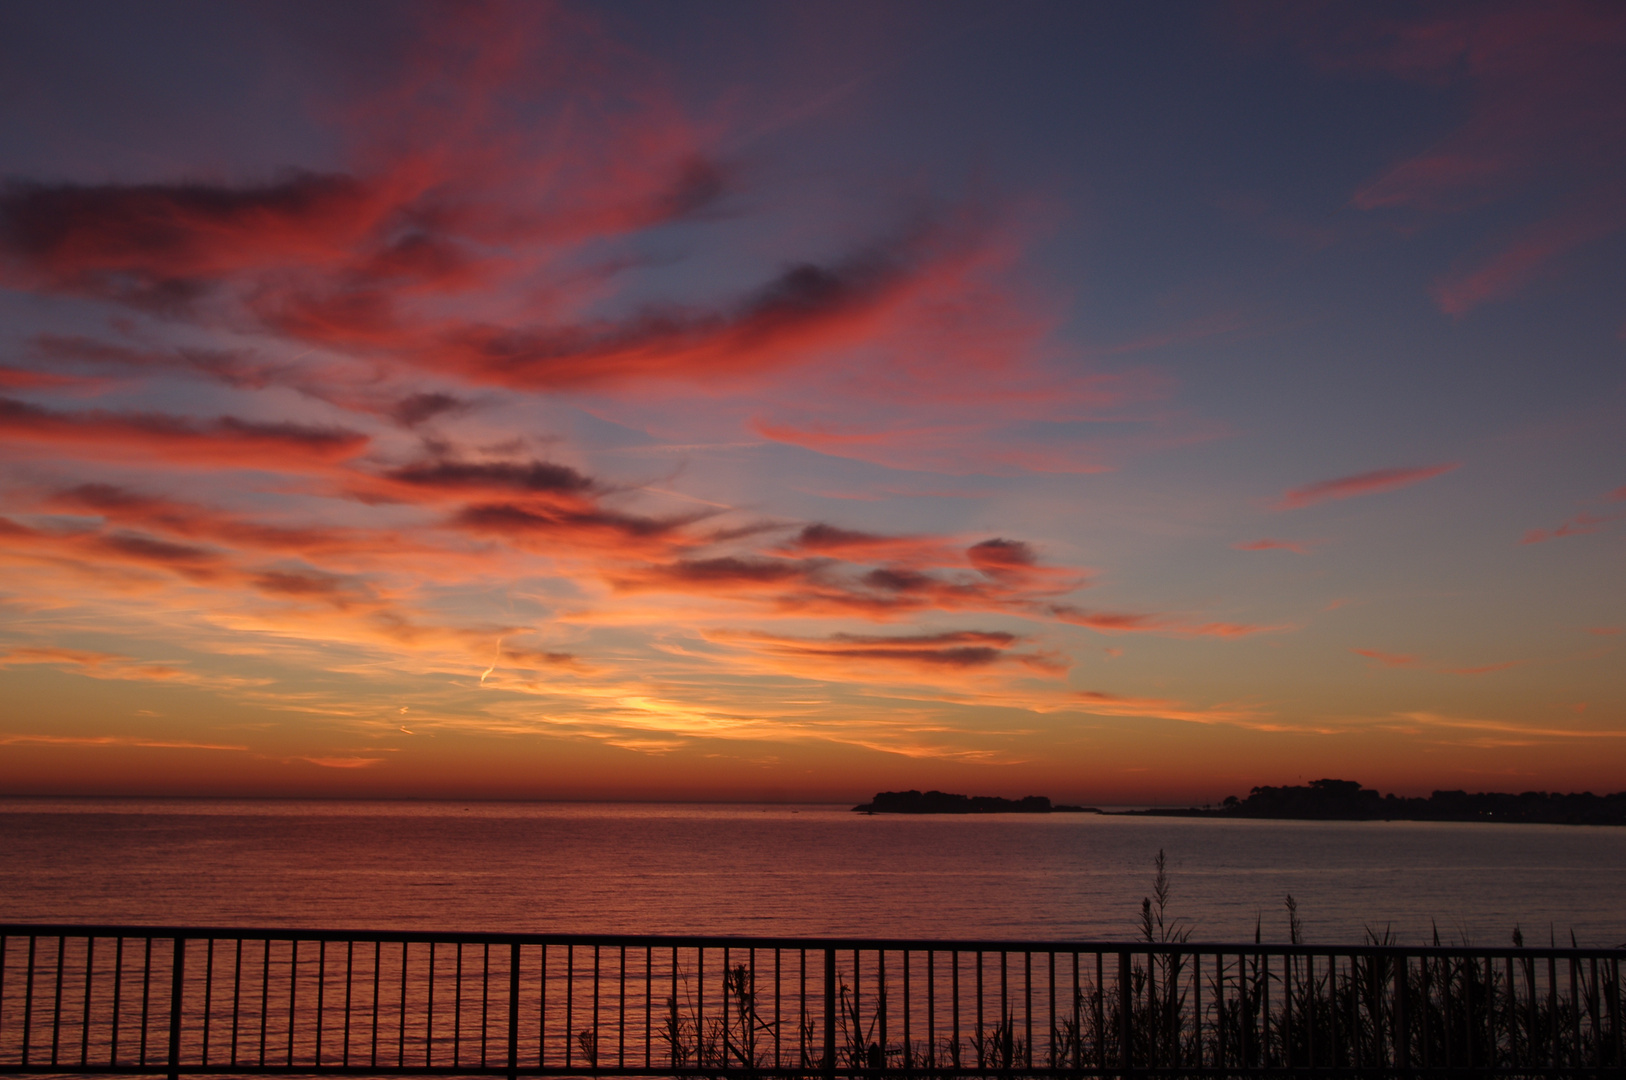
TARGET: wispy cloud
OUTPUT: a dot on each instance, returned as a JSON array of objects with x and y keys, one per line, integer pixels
[
  {"x": 1367, "y": 483},
  {"x": 1297, "y": 547}
]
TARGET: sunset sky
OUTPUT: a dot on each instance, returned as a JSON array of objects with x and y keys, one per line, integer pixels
[{"x": 1126, "y": 403}]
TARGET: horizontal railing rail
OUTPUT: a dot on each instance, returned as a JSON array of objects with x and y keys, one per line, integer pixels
[{"x": 169, "y": 1000}]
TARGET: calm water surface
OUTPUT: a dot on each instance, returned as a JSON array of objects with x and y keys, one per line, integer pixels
[{"x": 792, "y": 870}]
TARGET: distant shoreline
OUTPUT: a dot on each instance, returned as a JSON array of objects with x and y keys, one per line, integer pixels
[{"x": 1322, "y": 800}]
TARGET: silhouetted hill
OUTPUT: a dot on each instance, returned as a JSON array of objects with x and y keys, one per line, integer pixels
[
  {"x": 942, "y": 802},
  {"x": 1347, "y": 800}
]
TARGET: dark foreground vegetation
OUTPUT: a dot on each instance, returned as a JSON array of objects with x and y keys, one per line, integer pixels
[
  {"x": 1321, "y": 800},
  {"x": 1169, "y": 1008}
]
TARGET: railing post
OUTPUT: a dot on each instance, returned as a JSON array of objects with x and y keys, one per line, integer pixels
[
  {"x": 1402, "y": 1030},
  {"x": 1125, "y": 1007},
  {"x": 829, "y": 1013},
  {"x": 513, "y": 1011},
  {"x": 177, "y": 973}
]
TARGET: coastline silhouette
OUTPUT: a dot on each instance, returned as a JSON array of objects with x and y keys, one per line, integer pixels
[{"x": 1320, "y": 800}]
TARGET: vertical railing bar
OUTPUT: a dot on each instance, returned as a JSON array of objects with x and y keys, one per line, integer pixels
[
  {"x": 1027, "y": 1000},
  {"x": 621, "y": 1015},
  {"x": 857, "y": 1036},
  {"x": 908, "y": 1053},
  {"x": 90, "y": 973},
  {"x": 778, "y": 1018},
  {"x": 981, "y": 1043},
  {"x": 429, "y": 1012},
  {"x": 1309, "y": 1022},
  {"x": 177, "y": 972},
  {"x": 321, "y": 996},
  {"x": 1125, "y": 1044},
  {"x": 513, "y": 1010},
  {"x": 829, "y": 1013},
  {"x": 1552, "y": 1011},
  {"x": 592, "y": 1047},
  {"x": 954, "y": 1004},
  {"x": 1402, "y": 1032},
  {"x": 378, "y": 965},
  {"x": 801, "y": 1010},
  {"x": 236, "y": 996},
  {"x": 1429, "y": 968},
  {"x": 1050, "y": 1039},
  {"x": 208, "y": 995},
  {"x": 401, "y": 1017},
  {"x": 1288, "y": 962},
  {"x": 349, "y": 981},
  {"x": 1512, "y": 1011},
  {"x": 649, "y": 1005},
  {"x": 56, "y": 1009},
  {"x": 1219, "y": 1010},
  {"x": 1099, "y": 998},
  {"x": 1005, "y": 1007},
  {"x": 570, "y": 1002},
  {"x": 485, "y": 1001},
  {"x": 700, "y": 1013},
  {"x": 1575, "y": 1011},
  {"x": 28, "y": 1003},
  {"x": 457, "y": 1009},
  {"x": 265, "y": 998},
  {"x": 880, "y": 1000},
  {"x": 293, "y": 991},
  {"x": 1332, "y": 1011},
  {"x": 146, "y": 993},
  {"x": 1264, "y": 1016},
  {"x": 1004, "y": 1001},
  {"x": 1614, "y": 1009},
  {"x": 726, "y": 973},
  {"x": 542, "y": 1012},
  {"x": 118, "y": 988},
  {"x": 1078, "y": 1030},
  {"x": 4, "y": 945},
  {"x": 748, "y": 1034},
  {"x": 931, "y": 1008},
  {"x": 1197, "y": 1002},
  {"x": 674, "y": 976}
]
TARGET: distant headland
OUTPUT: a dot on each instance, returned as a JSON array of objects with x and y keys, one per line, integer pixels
[
  {"x": 1320, "y": 800},
  {"x": 941, "y": 802}
]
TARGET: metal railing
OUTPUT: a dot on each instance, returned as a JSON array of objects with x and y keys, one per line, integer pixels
[{"x": 78, "y": 1000}]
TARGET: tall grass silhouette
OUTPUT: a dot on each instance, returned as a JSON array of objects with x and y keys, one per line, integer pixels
[{"x": 1172, "y": 1007}]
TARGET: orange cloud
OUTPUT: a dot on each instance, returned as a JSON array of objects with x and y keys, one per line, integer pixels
[
  {"x": 958, "y": 650},
  {"x": 224, "y": 442}
]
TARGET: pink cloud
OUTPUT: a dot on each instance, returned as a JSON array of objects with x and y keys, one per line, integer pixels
[
  {"x": 1394, "y": 660},
  {"x": 1581, "y": 524},
  {"x": 1367, "y": 483},
  {"x": 1528, "y": 79},
  {"x": 1298, "y": 547},
  {"x": 1524, "y": 258}
]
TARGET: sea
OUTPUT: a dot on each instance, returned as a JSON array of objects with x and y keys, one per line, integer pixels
[{"x": 802, "y": 870}]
